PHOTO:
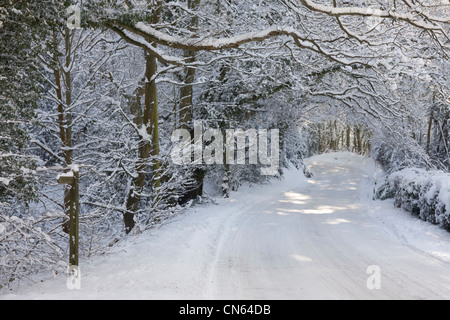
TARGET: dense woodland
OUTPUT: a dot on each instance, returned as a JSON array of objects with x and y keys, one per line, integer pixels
[{"x": 104, "y": 89}]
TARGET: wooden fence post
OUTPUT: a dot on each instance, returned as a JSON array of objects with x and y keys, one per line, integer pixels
[{"x": 72, "y": 178}]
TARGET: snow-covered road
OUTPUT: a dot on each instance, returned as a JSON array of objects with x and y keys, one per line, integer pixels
[{"x": 290, "y": 239}]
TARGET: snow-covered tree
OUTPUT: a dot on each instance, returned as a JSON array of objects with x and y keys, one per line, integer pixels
[{"x": 21, "y": 33}]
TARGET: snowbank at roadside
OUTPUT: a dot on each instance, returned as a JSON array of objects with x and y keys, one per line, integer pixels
[{"x": 425, "y": 194}]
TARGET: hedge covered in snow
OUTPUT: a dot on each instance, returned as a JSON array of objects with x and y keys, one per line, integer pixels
[{"x": 425, "y": 194}]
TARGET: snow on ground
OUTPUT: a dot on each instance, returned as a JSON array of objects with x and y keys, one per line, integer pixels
[
  {"x": 294, "y": 238},
  {"x": 399, "y": 224}
]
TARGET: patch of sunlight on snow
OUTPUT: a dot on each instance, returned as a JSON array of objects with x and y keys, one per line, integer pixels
[
  {"x": 296, "y": 196},
  {"x": 321, "y": 210},
  {"x": 282, "y": 213},
  {"x": 442, "y": 255},
  {"x": 317, "y": 211},
  {"x": 336, "y": 221},
  {"x": 291, "y": 210},
  {"x": 301, "y": 258},
  {"x": 292, "y": 201}
]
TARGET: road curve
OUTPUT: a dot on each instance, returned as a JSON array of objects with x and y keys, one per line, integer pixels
[{"x": 318, "y": 242}]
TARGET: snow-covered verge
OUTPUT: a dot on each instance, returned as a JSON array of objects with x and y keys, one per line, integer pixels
[
  {"x": 170, "y": 261},
  {"x": 25, "y": 249},
  {"x": 425, "y": 194},
  {"x": 416, "y": 234},
  {"x": 292, "y": 238}
]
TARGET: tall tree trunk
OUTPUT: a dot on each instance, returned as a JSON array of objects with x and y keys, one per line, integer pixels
[
  {"x": 186, "y": 91},
  {"x": 63, "y": 81},
  {"x": 319, "y": 138},
  {"x": 359, "y": 139},
  {"x": 430, "y": 124},
  {"x": 348, "y": 138},
  {"x": 148, "y": 120},
  {"x": 186, "y": 112},
  {"x": 444, "y": 132},
  {"x": 138, "y": 182},
  {"x": 151, "y": 97}
]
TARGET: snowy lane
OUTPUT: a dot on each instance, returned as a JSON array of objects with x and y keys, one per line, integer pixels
[
  {"x": 290, "y": 239},
  {"x": 317, "y": 242}
]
